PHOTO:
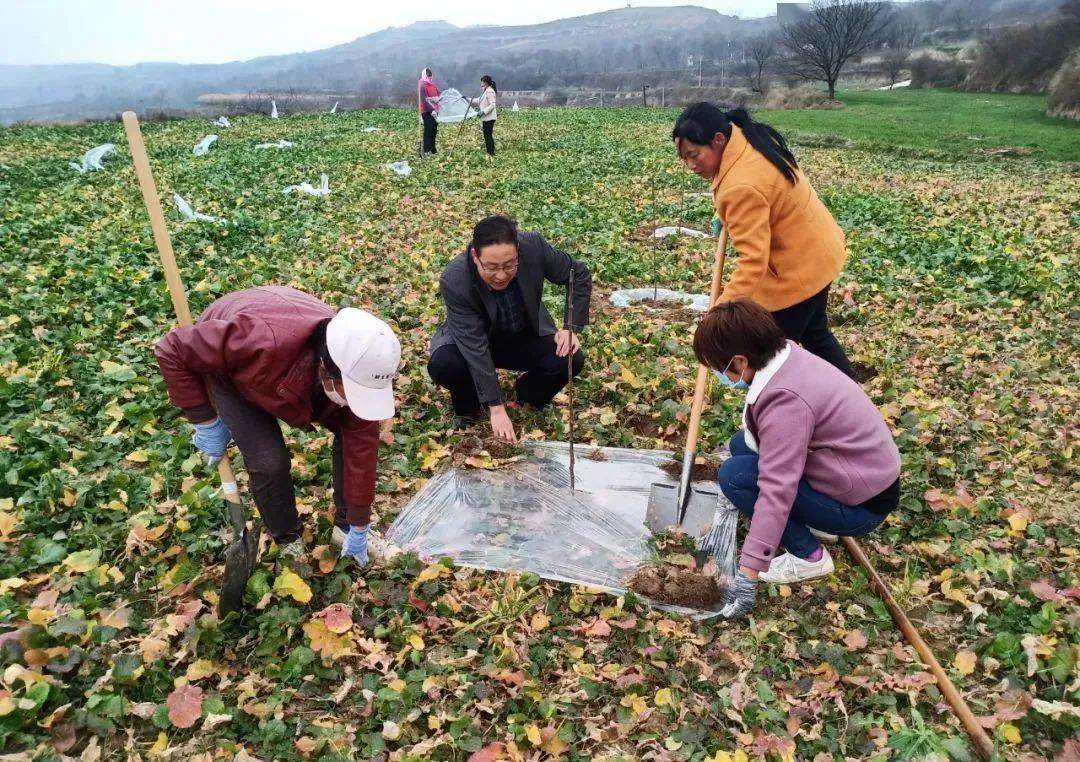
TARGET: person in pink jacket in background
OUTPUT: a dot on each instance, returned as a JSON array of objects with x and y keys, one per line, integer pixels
[
  {"x": 429, "y": 106},
  {"x": 814, "y": 458}
]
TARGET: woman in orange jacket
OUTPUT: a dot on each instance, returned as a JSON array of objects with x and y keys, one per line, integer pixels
[{"x": 790, "y": 247}]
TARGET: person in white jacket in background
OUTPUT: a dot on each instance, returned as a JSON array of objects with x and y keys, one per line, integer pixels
[{"x": 486, "y": 106}]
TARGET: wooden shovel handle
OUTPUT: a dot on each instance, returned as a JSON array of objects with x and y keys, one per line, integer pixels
[
  {"x": 983, "y": 745},
  {"x": 703, "y": 372},
  {"x": 168, "y": 260}
]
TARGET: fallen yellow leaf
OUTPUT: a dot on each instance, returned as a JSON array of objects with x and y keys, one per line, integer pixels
[
  {"x": 1011, "y": 733},
  {"x": 664, "y": 698},
  {"x": 533, "y": 734},
  {"x": 965, "y": 662},
  {"x": 289, "y": 583}
]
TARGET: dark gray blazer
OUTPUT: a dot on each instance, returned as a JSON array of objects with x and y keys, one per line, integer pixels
[{"x": 470, "y": 306}]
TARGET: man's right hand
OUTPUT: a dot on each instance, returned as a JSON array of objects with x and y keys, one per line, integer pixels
[
  {"x": 212, "y": 438},
  {"x": 501, "y": 426}
]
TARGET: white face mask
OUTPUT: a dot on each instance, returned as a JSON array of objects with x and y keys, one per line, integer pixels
[{"x": 333, "y": 396}]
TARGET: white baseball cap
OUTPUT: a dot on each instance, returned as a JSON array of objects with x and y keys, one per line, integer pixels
[{"x": 367, "y": 353}]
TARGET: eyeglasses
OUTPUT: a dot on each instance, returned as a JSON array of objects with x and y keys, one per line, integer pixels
[{"x": 510, "y": 268}]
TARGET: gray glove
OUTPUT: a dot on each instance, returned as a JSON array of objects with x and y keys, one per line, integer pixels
[{"x": 739, "y": 597}]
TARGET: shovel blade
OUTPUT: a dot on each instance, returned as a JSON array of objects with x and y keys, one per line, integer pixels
[
  {"x": 663, "y": 508},
  {"x": 701, "y": 508},
  {"x": 238, "y": 568},
  {"x": 240, "y": 559}
]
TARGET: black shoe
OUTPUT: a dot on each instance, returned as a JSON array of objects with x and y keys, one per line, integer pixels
[{"x": 464, "y": 422}]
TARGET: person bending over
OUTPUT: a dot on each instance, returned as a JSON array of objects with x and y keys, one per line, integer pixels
[
  {"x": 261, "y": 355},
  {"x": 790, "y": 247}
]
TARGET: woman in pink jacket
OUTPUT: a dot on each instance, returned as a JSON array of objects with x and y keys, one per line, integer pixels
[
  {"x": 814, "y": 456},
  {"x": 428, "y": 98}
]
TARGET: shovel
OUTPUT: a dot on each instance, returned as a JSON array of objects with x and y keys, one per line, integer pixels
[
  {"x": 685, "y": 505},
  {"x": 241, "y": 555}
]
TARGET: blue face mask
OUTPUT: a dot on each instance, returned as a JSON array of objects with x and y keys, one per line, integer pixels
[{"x": 722, "y": 375}]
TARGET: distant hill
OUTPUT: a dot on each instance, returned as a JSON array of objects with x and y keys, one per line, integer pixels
[
  {"x": 618, "y": 49},
  {"x": 384, "y": 65}
]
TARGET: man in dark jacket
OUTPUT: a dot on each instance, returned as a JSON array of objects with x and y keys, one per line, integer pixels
[
  {"x": 496, "y": 319},
  {"x": 270, "y": 353}
]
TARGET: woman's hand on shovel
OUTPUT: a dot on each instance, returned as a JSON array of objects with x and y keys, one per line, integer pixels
[{"x": 212, "y": 438}]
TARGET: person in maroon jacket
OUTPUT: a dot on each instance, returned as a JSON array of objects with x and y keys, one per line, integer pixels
[
  {"x": 429, "y": 106},
  {"x": 270, "y": 353}
]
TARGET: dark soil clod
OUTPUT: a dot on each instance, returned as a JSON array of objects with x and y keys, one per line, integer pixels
[
  {"x": 680, "y": 587},
  {"x": 701, "y": 472}
]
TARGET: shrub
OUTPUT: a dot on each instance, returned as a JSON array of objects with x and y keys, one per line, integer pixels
[
  {"x": 805, "y": 95},
  {"x": 1022, "y": 58},
  {"x": 936, "y": 71},
  {"x": 1064, "y": 93}
]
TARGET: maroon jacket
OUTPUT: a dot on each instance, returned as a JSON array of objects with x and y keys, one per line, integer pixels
[{"x": 256, "y": 340}]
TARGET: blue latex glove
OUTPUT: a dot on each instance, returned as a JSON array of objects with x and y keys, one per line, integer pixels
[
  {"x": 356, "y": 545},
  {"x": 212, "y": 438},
  {"x": 739, "y": 598},
  {"x": 717, "y": 226}
]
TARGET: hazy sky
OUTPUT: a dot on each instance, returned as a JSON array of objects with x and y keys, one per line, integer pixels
[{"x": 213, "y": 31}]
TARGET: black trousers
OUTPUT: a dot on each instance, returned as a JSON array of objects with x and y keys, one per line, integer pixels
[
  {"x": 545, "y": 372},
  {"x": 257, "y": 435},
  {"x": 808, "y": 324},
  {"x": 489, "y": 136},
  {"x": 431, "y": 131}
]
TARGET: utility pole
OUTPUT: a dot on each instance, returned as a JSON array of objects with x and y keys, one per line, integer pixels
[
  {"x": 700, "y": 57},
  {"x": 644, "y": 100}
]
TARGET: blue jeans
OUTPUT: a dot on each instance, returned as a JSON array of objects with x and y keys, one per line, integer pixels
[{"x": 738, "y": 481}]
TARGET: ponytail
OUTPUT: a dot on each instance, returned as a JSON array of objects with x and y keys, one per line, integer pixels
[
  {"x": 700, "y": 122},
  {"x": 487, "y": 80}
]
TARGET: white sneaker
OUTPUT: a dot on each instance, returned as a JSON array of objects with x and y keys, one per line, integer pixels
[
  {"x": 337, "y": 537},
  {"x": 786, "y": 569},
  {"x": 823, "y": 536}
]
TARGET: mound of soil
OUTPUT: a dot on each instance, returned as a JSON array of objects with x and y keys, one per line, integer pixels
[
  {"x": 678, "y": 586},
  {"x": 472, "y": 446},
  {"x": 701, "y": 472}
]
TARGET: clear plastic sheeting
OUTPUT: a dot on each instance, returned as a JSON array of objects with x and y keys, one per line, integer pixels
[
  {"x": 223, "y": 121},
  {"x": 190, "y": 214},
  {"x": 627, "y": 296},
  {"x": 91, "y": 160},
  {"x": 280, "y": 144},
  {"x": 524, "y": 517},
  {"x": 273, "y": 109},
  {"x": 203, "y": 146},
  {"x": 334, "y": 109},
  {"x": 371, "y": 129},
  {"x": 453, "y": 107},
  {"x": 674, "y": 230},
  {"x": 515, "y": 107},
  {"x": 310, "y": 190},
  {"x": 400, "y": 168}
]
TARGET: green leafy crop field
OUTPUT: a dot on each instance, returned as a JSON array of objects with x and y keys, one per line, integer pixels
[{"x": 959, "y": 297}]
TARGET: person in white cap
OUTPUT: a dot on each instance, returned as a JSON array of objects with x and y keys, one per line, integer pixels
[{"x": 274, "y": 353}]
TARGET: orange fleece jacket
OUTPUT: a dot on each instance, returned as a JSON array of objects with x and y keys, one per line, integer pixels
[{"x": 789, "y": 245}]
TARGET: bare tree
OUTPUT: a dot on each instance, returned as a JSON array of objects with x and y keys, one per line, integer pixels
[
  {"x": 759, "y": 53},
  {"x": 831, "y": 34},
  {"x": 899, "y": 42}
]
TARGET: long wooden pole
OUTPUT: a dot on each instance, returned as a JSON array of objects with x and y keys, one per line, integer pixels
[
  {"x": 702, "y": 381},
  {"x": 168, "y": 261},
  {"x": 982, "y": 742}
]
